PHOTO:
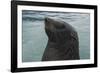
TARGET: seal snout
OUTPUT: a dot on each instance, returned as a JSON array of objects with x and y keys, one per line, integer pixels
[
  {"x": 48, "y": 23},
  {"x": 53, "y": 23},
  {"x": 47, "y": 19}
]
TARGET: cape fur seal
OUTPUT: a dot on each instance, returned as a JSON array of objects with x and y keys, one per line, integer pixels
[{"x": 63, "y": 41}]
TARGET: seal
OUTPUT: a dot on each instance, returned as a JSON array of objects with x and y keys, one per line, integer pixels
[{"x": 63, "y": 43}]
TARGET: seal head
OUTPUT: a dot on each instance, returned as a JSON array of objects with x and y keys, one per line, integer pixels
[{"x": 63, "y": 41}]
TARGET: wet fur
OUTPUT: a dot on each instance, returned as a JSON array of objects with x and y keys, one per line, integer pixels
[{"x": 63, "y": 41}]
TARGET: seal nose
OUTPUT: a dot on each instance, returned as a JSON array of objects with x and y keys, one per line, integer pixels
[
  {"x": 47, "y": 20},
  {"x": 48, "y": 23}
]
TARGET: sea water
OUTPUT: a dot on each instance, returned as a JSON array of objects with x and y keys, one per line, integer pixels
[{"x": 34, "y": 38}]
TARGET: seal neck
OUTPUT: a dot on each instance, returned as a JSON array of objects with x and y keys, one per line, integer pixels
[{"x": 57, "y": 45}]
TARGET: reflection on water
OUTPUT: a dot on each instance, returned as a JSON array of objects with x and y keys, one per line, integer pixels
[{"x": 34, "y": 39}]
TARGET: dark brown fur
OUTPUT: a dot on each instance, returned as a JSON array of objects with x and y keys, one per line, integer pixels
[{"x": 63, "y": 41}]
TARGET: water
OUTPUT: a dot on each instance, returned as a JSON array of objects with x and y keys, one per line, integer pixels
[{"x": 34, "y": 38}]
